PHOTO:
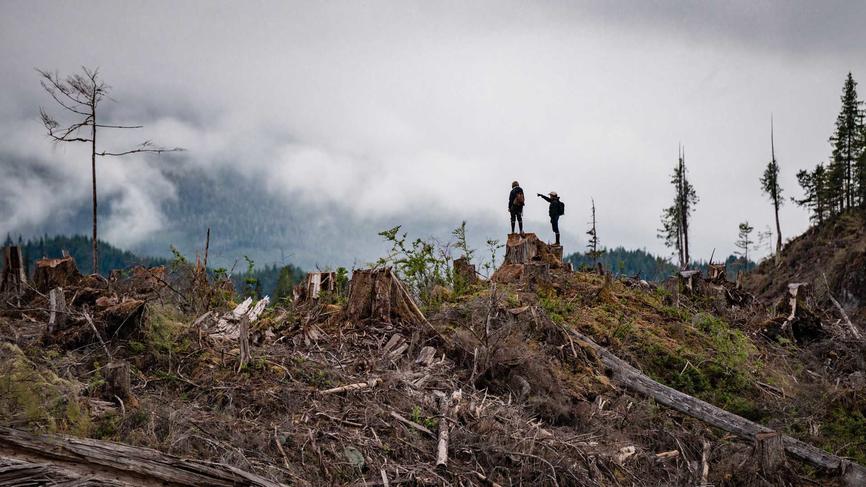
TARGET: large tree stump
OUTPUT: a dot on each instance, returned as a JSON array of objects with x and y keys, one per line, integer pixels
[
  {"x": 14, "y": 271},
  {"x": 528, "y": 259},
  {"x": 51, "y": 273},
  {"x": 377, "y": 294}
]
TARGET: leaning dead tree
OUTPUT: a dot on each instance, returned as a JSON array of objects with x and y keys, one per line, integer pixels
[{"x": 79, "y": 95}]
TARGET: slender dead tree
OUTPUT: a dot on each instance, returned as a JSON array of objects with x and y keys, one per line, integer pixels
[
  {"x": 592, "y": 245},
  {"x": 80, "y": 95},
  {"x": 770, "y": 186}
]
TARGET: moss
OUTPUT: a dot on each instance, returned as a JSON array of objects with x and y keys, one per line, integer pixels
[
  {"x": 165, "y": 331},
  {"x": 845, "y": 433},
  {"x": 37, "y": 397}
]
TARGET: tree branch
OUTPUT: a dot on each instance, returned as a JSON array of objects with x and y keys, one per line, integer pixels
[{"x": 120, "y": 126}]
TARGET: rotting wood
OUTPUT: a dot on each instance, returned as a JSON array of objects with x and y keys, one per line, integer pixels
[
  {"x": 853, "y": 474},
  {"x": 105, "y": 463}
]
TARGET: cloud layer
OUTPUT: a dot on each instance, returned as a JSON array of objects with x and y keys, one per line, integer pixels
[{"x": 433, "y": 108}]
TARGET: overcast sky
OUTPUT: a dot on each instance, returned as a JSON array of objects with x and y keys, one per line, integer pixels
[{"x": 436, "y": 107}]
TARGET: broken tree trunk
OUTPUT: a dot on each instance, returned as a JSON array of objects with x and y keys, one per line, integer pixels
[
  {"x": 51, "y": 273},
  {"x": 244, "y": 342},
  {"x": 852, "y": 473},
  {"x": 14, "y": 271},
  {"x": 313, "y": 285},
  {"x": 57, "y": 304},
  {"x": 67, "y": 460}
]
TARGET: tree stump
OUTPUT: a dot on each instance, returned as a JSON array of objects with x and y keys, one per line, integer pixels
[
  {"x": 117, "y": 380},
  {"x": 378, "y": 295},
  {"x": 769, "y": 451},
  {"x": 14, "y": 271},
  {"x": 465, "y": 271},
  {"x": 51, "y": 273}
]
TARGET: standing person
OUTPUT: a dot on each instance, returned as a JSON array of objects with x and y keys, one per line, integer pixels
[
  {"x": 516, "y": 200},
  {"x": 557, "y": 209}
]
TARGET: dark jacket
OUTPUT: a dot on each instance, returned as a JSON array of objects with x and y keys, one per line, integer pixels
[
  {"x": 513, "y": 208},
  {"x": 553, "y": 210}
]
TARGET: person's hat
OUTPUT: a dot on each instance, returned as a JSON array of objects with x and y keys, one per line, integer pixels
[
  {"x": 553, "y": 194},
  {"x": 515, "y": 184}
]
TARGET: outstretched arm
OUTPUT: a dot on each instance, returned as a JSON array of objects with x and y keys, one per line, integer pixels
[{"x": 545, "y": 197}]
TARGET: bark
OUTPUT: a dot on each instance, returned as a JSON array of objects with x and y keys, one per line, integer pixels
[
  {"x": 851, "y": 473},
  {"x": 82, "y": 461}
]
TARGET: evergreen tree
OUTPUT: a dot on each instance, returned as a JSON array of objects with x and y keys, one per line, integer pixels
[
  {"x": 675, "y": 219},
  {"x": 770, "y": 186},
  {"x": 745, "y": 242},
  {"x": 848, "y": 145}
]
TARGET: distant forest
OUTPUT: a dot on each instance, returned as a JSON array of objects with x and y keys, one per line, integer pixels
[
  {"x": 645, "y": 265},
  {"x": 275, "y": 281}
]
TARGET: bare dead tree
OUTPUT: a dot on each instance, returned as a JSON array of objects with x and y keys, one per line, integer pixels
[{"x": 79, "y": 95}]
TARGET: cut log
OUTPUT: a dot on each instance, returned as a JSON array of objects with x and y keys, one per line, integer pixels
[
  {"x": 851, "y": 473},
  {"x": 14, "y": 276},
  {"x": 353, "y": 387},
  {"x": 51, "y": 273},
  {"x": 59, "y": 313},
  {"x": 81, "y": 461},
  {"x": 117, "y": 380}
]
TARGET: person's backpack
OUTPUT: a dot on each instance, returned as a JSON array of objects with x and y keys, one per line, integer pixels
[
  {"x": 519, "y": 200},
  {"x": 561, "y": 209}
]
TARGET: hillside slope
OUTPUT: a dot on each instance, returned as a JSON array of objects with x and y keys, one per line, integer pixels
[{"x": 836, "y": 249}]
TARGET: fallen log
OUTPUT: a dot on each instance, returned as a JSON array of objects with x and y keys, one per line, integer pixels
[
  {"x": 82, "y": 461},
  {"x": 852, "y": 474}
]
